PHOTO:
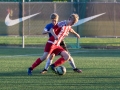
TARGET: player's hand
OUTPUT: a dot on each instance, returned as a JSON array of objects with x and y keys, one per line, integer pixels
[
  {"x": 78, "y": 35},
  {"x": 56, "y": 38}
]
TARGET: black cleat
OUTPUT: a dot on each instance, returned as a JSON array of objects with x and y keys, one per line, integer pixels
[
  {"x": 43, "y": 71},
  {"x": 53, "y": 68},
  {"x": 77, "y": 70}
]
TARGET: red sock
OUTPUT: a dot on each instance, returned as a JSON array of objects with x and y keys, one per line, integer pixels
[
  {"x": 36, "y": 63},
  {"x": 59, "y": 61}
]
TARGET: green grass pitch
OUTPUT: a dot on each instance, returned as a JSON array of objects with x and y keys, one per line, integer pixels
[{"x": 101, "y": 70}]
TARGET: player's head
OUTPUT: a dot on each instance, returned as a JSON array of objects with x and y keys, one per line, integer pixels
[
  {"x": 54, "y": 18},
  {"x": 73, "y": 19}
]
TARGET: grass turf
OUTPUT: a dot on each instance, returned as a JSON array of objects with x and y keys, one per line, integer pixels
[
  {"x": 100, "y": 71},
  {"x": 41, "y": 40}
]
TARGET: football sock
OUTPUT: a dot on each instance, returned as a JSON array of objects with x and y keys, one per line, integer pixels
[
  {"x": 48, "y": 63},
  {"x": 36, "y": 63},
  {"x": 59, "y": 61},
  {"x": 72, "y": 63}
]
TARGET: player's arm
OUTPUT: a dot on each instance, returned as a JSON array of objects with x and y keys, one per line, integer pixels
[
  {"x": 45, "y": 31},
  {"x": 47, "y": 28},
  {"x": 53, "y": 33},
  {"x": 72, "y": 31}
]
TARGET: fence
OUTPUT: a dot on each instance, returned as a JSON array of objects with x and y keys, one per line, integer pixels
[
  {"x": 60, "y": 0},
  {"x": 104, "y": 23}
]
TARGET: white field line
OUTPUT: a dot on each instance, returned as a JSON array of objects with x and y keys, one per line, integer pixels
[
  {"x": 20, "y": 55},
  {"x": 33, "y": 54},
  {"x": 78, "y": 51}
]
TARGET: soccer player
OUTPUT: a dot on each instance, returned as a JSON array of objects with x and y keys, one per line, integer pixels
[
  {"x": 59, "y": 32},
  {"x": 52, "y": 46},
  {"x": 54, "y": 18}
]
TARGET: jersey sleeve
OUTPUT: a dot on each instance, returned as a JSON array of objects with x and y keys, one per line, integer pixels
[
  {"x": 62, "y": 23},
  {"x": 46, "y": 27}
]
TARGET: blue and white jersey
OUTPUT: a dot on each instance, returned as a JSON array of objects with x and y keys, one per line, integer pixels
[{"x": 48, "y": 27}]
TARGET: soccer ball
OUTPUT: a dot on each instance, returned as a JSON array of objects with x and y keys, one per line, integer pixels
[{"x": 61, "y": 70}]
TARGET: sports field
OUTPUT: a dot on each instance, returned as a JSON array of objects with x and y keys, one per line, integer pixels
[{"x": 101, "y": 70}]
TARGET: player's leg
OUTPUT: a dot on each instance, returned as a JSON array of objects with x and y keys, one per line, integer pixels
[
  {"x": 63, "y": 45},
  {"x": 46, "y": 54},
  {"x": 60, "y": 61},
  {"x": 72, "y": 63},
  {"x": 65, "y": 57},
  {"x": 71, "y": 60},
  {"x": 54, "y": 52},
  {"x": 48, "y": 63},
  {"x": 37, "y": 62}
]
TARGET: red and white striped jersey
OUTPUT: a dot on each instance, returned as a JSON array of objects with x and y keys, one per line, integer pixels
[{"x": 61, "y": 30}]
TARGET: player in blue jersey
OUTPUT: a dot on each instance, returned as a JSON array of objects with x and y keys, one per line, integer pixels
[{"x": 54, "y": 18}]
